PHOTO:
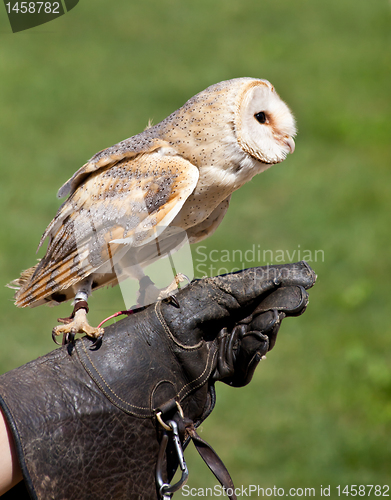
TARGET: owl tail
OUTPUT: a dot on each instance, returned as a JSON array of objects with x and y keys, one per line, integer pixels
[
  {"x": 22, "y": 283},
  {"x": 36, "y": 285}
]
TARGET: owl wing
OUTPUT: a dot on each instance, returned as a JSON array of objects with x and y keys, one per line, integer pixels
[
  {"x": 117, "y": 207},
  {"x": 145, "y": 142}
]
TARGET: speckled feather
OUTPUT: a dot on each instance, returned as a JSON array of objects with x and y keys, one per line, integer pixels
[{"x": 179, "y": 172}]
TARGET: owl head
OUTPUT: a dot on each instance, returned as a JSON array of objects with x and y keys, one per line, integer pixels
[
  {"x": 264, "y": 125},
  {"x": 242, "y": 121}
]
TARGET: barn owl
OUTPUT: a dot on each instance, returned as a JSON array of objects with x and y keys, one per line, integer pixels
[{"x": 179, "y": 173}]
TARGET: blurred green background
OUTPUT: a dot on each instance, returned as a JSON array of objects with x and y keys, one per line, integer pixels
[{"x": 318, "y": 411}]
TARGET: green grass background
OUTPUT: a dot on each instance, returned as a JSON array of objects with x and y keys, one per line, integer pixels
[{"x": 318, "y": 411}]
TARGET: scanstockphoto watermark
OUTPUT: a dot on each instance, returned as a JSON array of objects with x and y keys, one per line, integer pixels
[
  {"x": 215, "y": 262},
  {"x": 326, "y": 491},
  {"x": 251, "y": 490}
]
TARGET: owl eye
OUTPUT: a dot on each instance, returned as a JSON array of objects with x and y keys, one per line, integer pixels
[{"x": 261, "y": 117}]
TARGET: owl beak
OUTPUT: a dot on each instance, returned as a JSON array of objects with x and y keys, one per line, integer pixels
[{"x": 290, "y": 143}]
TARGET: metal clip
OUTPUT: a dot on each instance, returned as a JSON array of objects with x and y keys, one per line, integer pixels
[{"x": 166, "y": 490}]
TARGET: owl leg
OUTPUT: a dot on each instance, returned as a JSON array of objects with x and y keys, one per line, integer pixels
[
  {"x": 77, "y": 322},
  {"x": 148, "y": 293}
]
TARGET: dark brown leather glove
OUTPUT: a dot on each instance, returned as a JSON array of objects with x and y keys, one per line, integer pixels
[{"x": 84, "y": 418}]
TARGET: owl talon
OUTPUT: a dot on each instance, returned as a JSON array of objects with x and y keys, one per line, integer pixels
[
  {"x": 79, "y": 324},
  {"x": 54, "y": 337},
  {"x": 68, "y": 338},
  {"x": 182, "y": 277},
  {"x": 171, "y": 299},
  {"x": 97, "y": 342},
  {"x": 167, "y": 293}
]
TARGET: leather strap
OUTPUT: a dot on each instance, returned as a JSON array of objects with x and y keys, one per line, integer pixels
[
  {"x": 187, "y": 430},
  {"x": 213, "y": 461},
  {"x": 80, "y": 304}
]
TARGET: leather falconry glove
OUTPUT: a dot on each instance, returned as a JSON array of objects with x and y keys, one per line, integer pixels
[{"x": 111, "y": 421}]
